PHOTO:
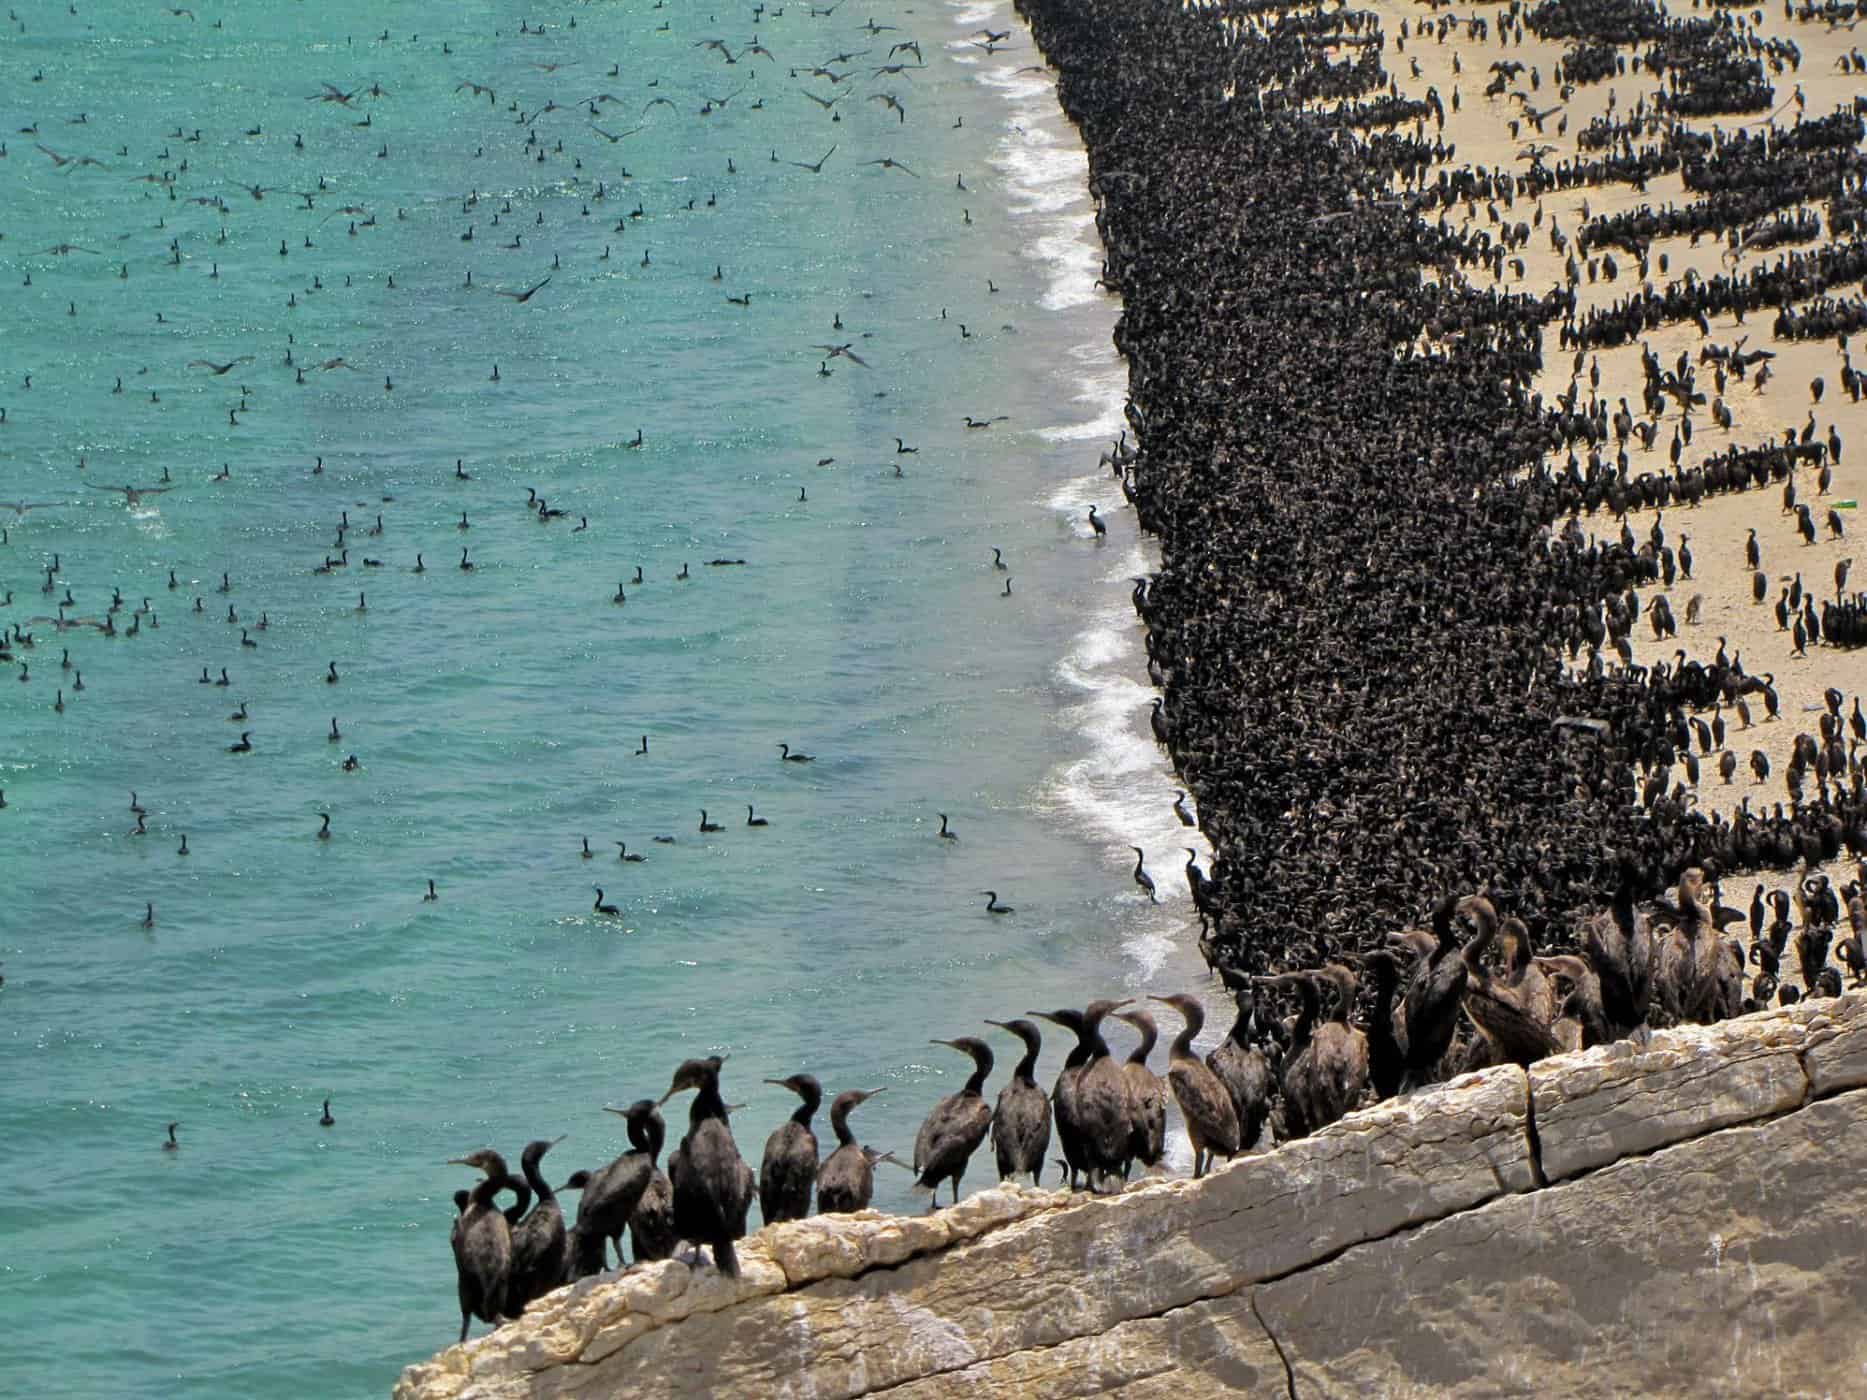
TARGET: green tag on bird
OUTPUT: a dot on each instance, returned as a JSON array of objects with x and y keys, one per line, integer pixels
[{"x": 1847, "y": 505}]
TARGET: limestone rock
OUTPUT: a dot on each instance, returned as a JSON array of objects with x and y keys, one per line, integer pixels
[
  {"x": 1721, "y": 1266},
  {"x": 1698, "y": 1232},
  {"x": 1620, "y": 1100},
  {"x": 1836, "y": 1057}
]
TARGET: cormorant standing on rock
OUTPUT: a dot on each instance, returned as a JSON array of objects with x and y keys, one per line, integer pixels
[
  {"x": 609, "y": 1201},
  {"x": 1330, "y": 1084},
  {"x": 846, "y": 1181},
  {"x": 1242, "y": 1067},
  {"x": 651, "y": 1223},
  {"x": 540, "y": 1246},
  {"x": 1619, "y": 945},
  {"x": 1021, "y": 1122},
  {"x": 482, "y": 1241},
  {"x": 1147, "y": 1135},
  {"x": 1386, "y": 1058},
  {"x": 1431, "y": 1006},
  {"x": 955, "y": 1128},
  {"x": 1093, "y": 1107},
  {"x": 1205, "y": 1104},
  {"x": 789, "y": 1169},
  {"x": 712, "y": 1184}
]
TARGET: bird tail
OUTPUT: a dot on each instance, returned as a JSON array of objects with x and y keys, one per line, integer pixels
[{"x": 725, "y": 1259}]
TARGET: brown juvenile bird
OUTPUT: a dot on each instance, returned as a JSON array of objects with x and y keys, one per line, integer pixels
[{"x": 1205, "y": 1106}]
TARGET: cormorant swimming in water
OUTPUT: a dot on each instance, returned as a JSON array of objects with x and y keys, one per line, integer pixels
[
  {"x": 245, "y": 745},
  {"x": 324, "y": 832},
  {"x": 846, "y": 1180},
  {"x": 171, "y": 1145},
  {"x": 755, "y": 821},
  {"x": 327, "y": 1121},
  {"x": 587, "y": 852},
  {"x": 1021, "y": 1122},
  {"x": 712, "y": 1184},
  {"x": 945, "y": 833},
  {"x": 705, "y": 825},
  {"x": 622, "y": 853},
  {"x": 601, "y": 907},
  {"x": 992, "y": 906},
  {"x": 644, "y": 749},
  {"x": 998, "y": 558},
  {"x": 789, "y": 1169},
  {"x": 784, "y": 752},
  {"x": 430, "y": 897},
  {"x": 955, "y": 1128},
  {"x": 330, "y": 675}
]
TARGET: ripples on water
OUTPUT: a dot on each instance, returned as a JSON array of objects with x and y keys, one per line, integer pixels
[{"x": 495, "y": 713}]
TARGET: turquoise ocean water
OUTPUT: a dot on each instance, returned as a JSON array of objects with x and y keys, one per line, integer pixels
[{"x": 495, "y": 713}]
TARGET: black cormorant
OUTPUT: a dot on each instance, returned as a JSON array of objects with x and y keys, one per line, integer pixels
[
  {"x": 955, "y": 1128},
  {"x": 846, "y": 1181},
  {"x": 482, "y": 1241},
  {"x": 712, "y": 1184},
  {"x": 1141, "y": 877},
  {"x": 1021, "y": 1122},
  {"x": 540, "y": 1244},
  {"x": 1091, "y": 1098},
  {"x": 789, "y": 1169}
]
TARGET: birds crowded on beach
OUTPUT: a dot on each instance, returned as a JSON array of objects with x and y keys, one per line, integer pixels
[{"x": 1491, "y": 641}]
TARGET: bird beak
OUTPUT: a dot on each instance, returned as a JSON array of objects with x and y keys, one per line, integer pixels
[
  {"x": 619, "y": 1112},
  {"x": 779, "y": 1082},
  {"x": 665, "y": 1097},
  {"x": 559, "y": 1138},
  {"x": 458, "y": 1162}
]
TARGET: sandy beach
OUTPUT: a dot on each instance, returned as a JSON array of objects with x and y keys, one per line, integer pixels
[{"x": 1718, "y": 527}]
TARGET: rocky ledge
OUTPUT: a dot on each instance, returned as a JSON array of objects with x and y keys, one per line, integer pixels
[{"x": 1687, "y": 1216}]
